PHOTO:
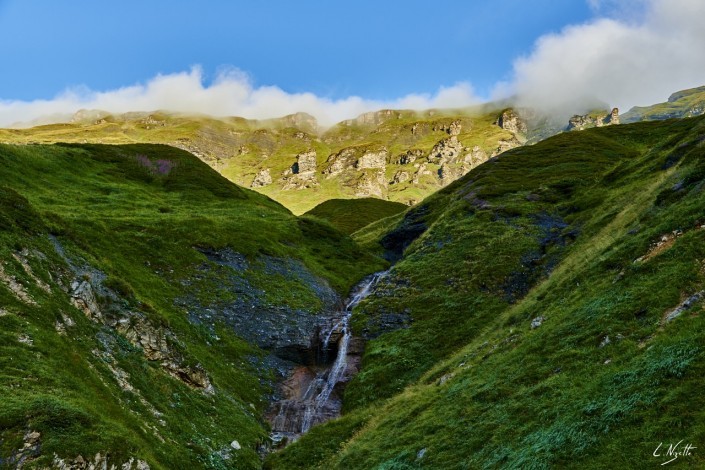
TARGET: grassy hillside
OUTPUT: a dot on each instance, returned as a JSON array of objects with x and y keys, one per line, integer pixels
[
  {"x": 350, "y": 215},
  {"x": 546, "y": 313},
  {"x": 242, "y": 149},
  {"x": 116, "y": 265},
  {"x": 685, "y": 103}
]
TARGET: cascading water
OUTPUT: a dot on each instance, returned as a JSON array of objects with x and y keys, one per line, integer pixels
[{"x": 296, "y": 415}]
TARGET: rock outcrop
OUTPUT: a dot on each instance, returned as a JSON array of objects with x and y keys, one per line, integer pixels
[
  {"x": 89, "y": 294},
  {"x": 510, "y": 120},
  {"x": 339, "y": 162},
  {"x": 305, "y": 163},
  {"x": 453, "y": 128},
  {"x": 371, "y": 184},
  {"x": 302, "y": 174},
  {"x": 400, "y": 177},
  {"x": 408, "y": 157},
  {"x": 449, "y": 173},
  {"x": 446, "y": 151},
  {"x": 364, "y": 167},
  {"x": 594, "y": 119},
  {"x": 373, "y": 118},
  {"x": 263, "y": 178},
  {"x": 300, "y": 120},
  {"x": 420, "y": 172},
  {"x": 289, "y": 334},
  {"x": 504, "y": 145},
  {"x": 475, "y": 157},
  {"x": 372, "y": 160}
]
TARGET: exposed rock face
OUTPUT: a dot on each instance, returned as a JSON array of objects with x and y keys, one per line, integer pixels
[
  {"x": 372, "y": 118},
  {"x": 371, "y": 184},
  {"x": 289, "y": 334},
  {"x": 614, "y": 116},
  {"x": 446, "y": 151},
  {"x": 454, "y": 128},
  {"x": 504, "y": 145},
  {"x": 419, "y": 173},
  {"x": 338, "y": 162},
  {"x": 98, "y": 462},
  {"x": 311, "y": 395},
  {"x": 139, "y": 332},
  {"x": 104, "y": 306},
  {"x": 400, "y": 177},
  {"x": 31, "y": 450},
  {"x": 302, "y": 174},
  {"x": 364, "y": 167},
  {"x": 263, "y": 178},
  {"x": 683, "y": 306},
  {"x": 475, "y": 157},
  {"x": 579, "y": 122},
  {"x": 586, "y": 121},
  {"x": 510, "y": 121},
  {"x": 17, "y": 288},
  {"x": 410, "y": 156},
  {"x": 83, "y": 298},
  {"x": 448, "y": 173},
  {"x": 150, "y": 122},
  {"x": 372, "y": 160},
  {"x": 301, "y": 120},
  {"x": 305, "y": 163},
  {"x": 83, "y": 116}
]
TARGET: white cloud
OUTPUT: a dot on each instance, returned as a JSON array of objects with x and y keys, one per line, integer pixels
[
  {"x": 230, "y": 94},
  {"x": 634, "y": 52},
  {"x": 642, "y": 52}
]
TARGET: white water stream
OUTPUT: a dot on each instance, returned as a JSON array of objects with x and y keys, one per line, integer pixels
[{"x": 296, "y": 416}]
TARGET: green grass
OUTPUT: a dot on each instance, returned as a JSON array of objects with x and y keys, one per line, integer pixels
[
  {"x": 142, "y": 215},
  {"x": 549, "y": 230},
  {"x": 239, "y": 148},
  {"x": 350, "y": 215},
  {"x": 684, "y": 103}
]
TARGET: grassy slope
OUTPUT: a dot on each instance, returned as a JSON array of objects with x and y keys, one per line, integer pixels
[
  {"x": 550, "y": 230},
  {"x": 684, "y": 103},
  {"x": 350, "y": 215},
  {"x": 239, "y": 148},
  {"x": 140, "y": 228}
]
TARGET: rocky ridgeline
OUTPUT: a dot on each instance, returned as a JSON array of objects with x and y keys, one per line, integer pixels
[
  {"x": 400, "y": 155},
  {"x": 598, "y": 119},
  {"x": 370, "y": 170}
]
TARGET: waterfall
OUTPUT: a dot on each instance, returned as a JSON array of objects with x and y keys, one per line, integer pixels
[{"x": 296, "y": 416}]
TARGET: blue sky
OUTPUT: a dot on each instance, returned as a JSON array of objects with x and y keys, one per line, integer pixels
[
  {"x": 374, "y": 49},
  {"x": 336, "y": 60}
]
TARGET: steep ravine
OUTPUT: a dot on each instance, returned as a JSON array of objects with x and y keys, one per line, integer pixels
[{"x": 311, "y": 394}]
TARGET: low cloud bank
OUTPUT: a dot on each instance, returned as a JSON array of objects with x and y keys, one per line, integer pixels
[
  {"x": 634, "y": 52},
  {"x": 230, "y": 94},
  {"x": 638, "y": 55}
]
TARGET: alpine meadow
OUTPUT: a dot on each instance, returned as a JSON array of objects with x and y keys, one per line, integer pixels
[{"x": 310, "y": 264}]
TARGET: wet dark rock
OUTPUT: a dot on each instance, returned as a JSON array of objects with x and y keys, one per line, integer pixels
[
  {"x": 408, "y": 230},
  {"x": 554, "y": 235},
  {"x": 291, "y": 334}
]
